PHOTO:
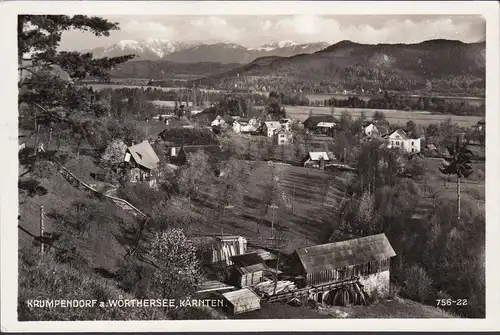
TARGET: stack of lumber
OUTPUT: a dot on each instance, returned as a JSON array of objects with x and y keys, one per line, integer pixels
[{"x": 266, "y": 288}]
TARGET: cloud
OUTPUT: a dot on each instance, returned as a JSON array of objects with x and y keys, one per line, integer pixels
[
  {"x": 253, "y": 31},
  {"x": 148, "y": 29}
]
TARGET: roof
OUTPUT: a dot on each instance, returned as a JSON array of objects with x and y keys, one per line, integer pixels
[
  {"x": 247, "y": 259},
  {"x": 431, "y": 146},
  {"x": 283, "y": 131},
  {"x": 315, "y": 156},
  {"x": 340, "y": 254},
  {"x": 144, "y": 155},
  {"x": 213, "y": 285},
  {"x": 313, "y": 120},
  {"x": 251, "y": 268},
  {"x": 240, "y": 296},
  {"x": 272, "y": 124},
  {"x": 326, "y": 124},
  {"x": 401, "y": 133}
]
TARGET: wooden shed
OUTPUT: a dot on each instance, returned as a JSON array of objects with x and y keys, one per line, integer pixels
[
  {"x": 248, "y": 269},
  {"x": 242, "y": 301}
]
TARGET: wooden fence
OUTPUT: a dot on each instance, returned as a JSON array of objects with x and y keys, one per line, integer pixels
[{"x": 118, "y": 201}]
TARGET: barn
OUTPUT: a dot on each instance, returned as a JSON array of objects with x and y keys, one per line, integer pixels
[{"x": 363, "y": 262}]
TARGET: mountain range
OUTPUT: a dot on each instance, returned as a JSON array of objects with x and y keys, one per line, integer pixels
[
  {"x": 182, "y": 52},
  {"x": 447, "y": 64}
]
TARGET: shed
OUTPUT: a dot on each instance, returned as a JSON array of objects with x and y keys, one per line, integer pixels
[
  {"x": 248, "y": 269},
  {"x": 242, "y": 301}
]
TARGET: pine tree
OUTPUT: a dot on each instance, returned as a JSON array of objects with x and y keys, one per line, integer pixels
[
  {"x": 458, "y": 163},
  {"x": 47, "y": 76}
]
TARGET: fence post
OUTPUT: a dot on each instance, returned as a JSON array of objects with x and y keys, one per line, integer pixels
[{"x": 41, "y": 230}]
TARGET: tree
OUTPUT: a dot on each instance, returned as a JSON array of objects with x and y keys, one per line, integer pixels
[
  {"x": 114, "y": 153},
  {"x": 195, "y": 173},
  {"x": 378, "y": 116},
  {"x": 177, "y": 272},
  {"x": 46, "y": 74},
  {"x": 229, "y": 187},
  {"x": 458, "y": 163},
  {"x": 274, "y": 196}
]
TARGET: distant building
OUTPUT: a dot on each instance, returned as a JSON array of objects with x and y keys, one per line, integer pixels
[
  {"x": 269, "y": 128},
  {"x": 316, "y": 160},
  {"x": 286, "y": 124},
  {"x": 320, "y": 124},
  {"x": 218, "y": 122},
  {"x": 369, "y": 129},
  {"x": 244, "y": 125},
  {"x": 283, "y": 137},
  {"x": 400, "y": 139},
  {"x": 480, "y": 126},
  {"x": 143, "y": 163},
  {"x": 214, "y": 153},
  {"x": 362, "y": 262}
]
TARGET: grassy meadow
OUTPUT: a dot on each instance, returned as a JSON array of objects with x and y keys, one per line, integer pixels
[{"x": 301, "y": 113}]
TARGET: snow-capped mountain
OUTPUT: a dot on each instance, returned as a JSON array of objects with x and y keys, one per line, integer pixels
[
  {"x": 233, "y": 53},
  {"x": 182, "y": 52},
  {"x": 150, "y": 49}
]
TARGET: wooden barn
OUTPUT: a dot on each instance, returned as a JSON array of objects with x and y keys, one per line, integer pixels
[
  {"x": 360, "y": 263},
  {"x": 242, "y": 301},
  {"x": 248, "y": 269}
]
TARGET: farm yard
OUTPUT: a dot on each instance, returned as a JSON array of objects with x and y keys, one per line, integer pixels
[{"x": 400, "y": 117}]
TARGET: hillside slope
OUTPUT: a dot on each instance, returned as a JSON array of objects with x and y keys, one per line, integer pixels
[{"x": 349, "y": 65}]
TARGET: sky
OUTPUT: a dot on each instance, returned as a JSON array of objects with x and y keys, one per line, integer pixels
[{"x": 254, "y": 31}]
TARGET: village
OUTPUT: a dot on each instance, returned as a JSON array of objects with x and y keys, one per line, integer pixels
[
  {"x": 287, "y": 181},
  {"x": 351, "y": 270}
]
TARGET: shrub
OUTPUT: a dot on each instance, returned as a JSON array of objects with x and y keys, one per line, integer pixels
[
  {"x": 32, "y": 187},
  {"x": 417, "y": 285},
  {"x": 49, "y": 280}
]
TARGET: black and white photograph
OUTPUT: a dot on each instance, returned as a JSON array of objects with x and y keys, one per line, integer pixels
[{"x": 230, "y": 164}]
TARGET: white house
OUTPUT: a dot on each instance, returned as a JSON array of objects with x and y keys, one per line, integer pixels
[
  {"x": 370, "y": 129},
  {"x": 286, "y": 124},
  {"x": 244, "y": 125},
  {"x": 219, "y": 121},
  {"x": 400, "y": 139},
  {"x": 271, "y": 127},
  {"x": 282, "y": 137},
  {"x": 315, "y": 159}
]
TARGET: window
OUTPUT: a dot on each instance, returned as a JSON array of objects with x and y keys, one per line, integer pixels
[
  {"x": 412, "y": 143},
  {"x": 397, "y": 142}
]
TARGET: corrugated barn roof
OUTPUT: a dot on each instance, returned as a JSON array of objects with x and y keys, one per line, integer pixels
[{"x": 351, "y": 252}]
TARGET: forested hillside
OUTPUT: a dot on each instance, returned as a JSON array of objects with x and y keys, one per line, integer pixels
[{"x": 431, "y": 66}]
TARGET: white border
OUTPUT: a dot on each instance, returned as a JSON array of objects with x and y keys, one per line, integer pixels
[{"x": 8, "y": 195}]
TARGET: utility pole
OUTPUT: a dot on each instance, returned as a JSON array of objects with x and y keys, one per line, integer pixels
[
  {"x": 41, "y": 230},
  {"x": 293, "y": 199}
]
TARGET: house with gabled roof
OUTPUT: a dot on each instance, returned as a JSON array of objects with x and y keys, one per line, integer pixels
[
  {"x": 316, "y": 159},
  {"x": 320, "y": 124},
  {"x": 269, "y": 128},
  {"x": 283, "y": 137},
  {"x": 142, "y": 162},
  {"x": 400, "y": 139},
  {"x": 364, "y": 261},
  {"x": 369, "y": 129}
]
